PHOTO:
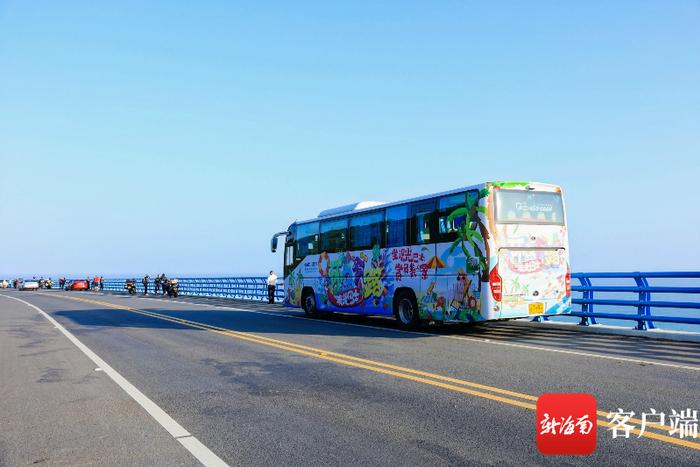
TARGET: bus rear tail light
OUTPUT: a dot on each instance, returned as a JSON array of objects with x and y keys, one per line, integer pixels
[
  {"x": 567, "y": 280},
  {"x": 496, "y": 284}
]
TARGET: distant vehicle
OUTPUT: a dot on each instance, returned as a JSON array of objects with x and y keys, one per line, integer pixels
[
  {"x": 173, "y": 289},
  {"x": 497, "y": 250},
  {"x": 4, "y": 284},
  {"x": 29, "y": 285},
  {"x": 130, "y": 286},
  {"x": 78, "y": 285}
]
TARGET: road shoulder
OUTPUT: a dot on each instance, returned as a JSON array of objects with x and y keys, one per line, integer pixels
[{"x": 57, "y": 408}]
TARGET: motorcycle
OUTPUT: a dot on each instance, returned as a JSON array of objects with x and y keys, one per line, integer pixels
[
  {"x": 130, "y": 286},
  {"x": 48, "y": 284},
  {"x": 173, "y": 288}
]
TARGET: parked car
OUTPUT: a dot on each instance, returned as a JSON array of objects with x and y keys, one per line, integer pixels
[
  {"x": 78, "y": 285},
  {"x": 28, "y": 285},
  {"x": 4, "y": 284}
]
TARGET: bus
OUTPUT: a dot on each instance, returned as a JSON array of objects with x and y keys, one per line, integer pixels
[{"x": 492, "y": 251}]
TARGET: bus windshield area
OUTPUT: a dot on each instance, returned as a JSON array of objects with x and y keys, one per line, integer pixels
[{"x": 529, "y": 207}]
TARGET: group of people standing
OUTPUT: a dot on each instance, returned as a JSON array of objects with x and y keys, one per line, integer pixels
[
  {"x": 97, "y": 283},
  {"x": 160, "y": 283}
]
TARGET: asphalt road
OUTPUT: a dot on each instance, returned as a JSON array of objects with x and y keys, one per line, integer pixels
[{"x": 262, "y": 385}]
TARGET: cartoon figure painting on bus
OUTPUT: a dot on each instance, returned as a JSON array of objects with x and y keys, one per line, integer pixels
[
  {"x": 472, "y": 233},
  {"x": 354, "y": 279}
]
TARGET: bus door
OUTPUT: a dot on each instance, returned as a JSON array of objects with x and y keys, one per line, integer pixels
[{"x": 290, "y": 251}]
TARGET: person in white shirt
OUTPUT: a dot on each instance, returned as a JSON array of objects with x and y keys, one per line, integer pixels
[{"x": 271, "y": 284}]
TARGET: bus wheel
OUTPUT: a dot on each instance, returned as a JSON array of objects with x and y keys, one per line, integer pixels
[
  {"x": 406, "y": 310},
  {"x": 308, "y": 302}
]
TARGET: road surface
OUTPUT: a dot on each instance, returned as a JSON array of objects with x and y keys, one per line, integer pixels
[{"x": 252, "y": 384}]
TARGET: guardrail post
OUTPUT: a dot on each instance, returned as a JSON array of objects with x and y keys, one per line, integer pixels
[
  {"x": 279, "y": 291},
  {"x": 643, "y": 310},
  {"x": 586, "y": 307}
]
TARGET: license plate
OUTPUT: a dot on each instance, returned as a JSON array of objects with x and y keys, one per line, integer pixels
[{"x": 535, "y": 308}]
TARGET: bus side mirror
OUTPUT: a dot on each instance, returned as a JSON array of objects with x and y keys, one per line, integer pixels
[{"x": 273, "y": 242}]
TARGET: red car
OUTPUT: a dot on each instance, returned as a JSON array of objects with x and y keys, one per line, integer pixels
[{"x": 78, "y": 285}]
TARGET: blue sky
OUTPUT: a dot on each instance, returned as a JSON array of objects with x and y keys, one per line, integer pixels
[{"x": 177, "y": 137}]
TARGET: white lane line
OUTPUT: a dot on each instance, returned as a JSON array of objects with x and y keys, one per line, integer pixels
[
  {"x": 461, "y": 338},
  {"x": 192, "y": 444},
  {"x": 200, "y": 451},
  {"x": 574, "y": 352}
]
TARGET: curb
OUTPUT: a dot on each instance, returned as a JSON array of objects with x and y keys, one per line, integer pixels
[{"x": 678, "y": 336}]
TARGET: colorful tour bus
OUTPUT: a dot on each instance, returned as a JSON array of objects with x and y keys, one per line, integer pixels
[{"x": 497, "y": 250}]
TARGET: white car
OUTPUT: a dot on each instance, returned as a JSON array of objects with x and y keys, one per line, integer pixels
[
  {"x": 29, "y": 285},
  {"x": 4, "y": 284}
]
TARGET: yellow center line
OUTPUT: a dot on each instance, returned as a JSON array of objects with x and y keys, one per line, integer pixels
[
  {"x": 315, "y": 350},
  {"x": 444, "y": 382}
]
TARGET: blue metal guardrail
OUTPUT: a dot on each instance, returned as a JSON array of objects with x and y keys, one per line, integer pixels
[
  {"x": 243, "y": 288},
  {"x": 591, "y": 297},
  {"x": 595, "y": 296}
]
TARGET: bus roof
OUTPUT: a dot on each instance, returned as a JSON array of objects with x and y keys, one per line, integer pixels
[
  {"x": 351, "y": 208},
  {"x": 369, "y": 206}
]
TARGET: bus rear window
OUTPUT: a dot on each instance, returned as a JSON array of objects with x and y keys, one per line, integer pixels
[{"x": 529, "y": 207}]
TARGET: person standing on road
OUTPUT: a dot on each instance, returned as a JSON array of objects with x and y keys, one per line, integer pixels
[
  {"x": 156, "y": 285},
  {"x": 102, "y": 283},
  {"x": 271, "y": 285},
  {"x": 144, "y": 281}
]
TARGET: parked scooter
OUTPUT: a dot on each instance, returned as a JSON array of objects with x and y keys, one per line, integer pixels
[
  {"x": 173, "y": 288},
  {"x": 130, "y": 286},
  {"x": 48, "y": 283}
]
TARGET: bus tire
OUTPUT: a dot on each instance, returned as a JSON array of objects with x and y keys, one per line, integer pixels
[
  {"x": 406, "y": 309},
  {"x": 308, "y": 303}
]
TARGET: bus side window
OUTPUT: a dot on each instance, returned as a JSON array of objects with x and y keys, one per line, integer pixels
[
  {"x": 366, "y": 230},
  {"x": 450, "y": 206},
  {"x": 396, "y": 228},
  {"x": 334, "y": 235},
  {"x": 423, "y": 220},
  {"x": 289, "y": 256},
  {"x": 473, "y": 201},
  {"x": 307, "y": 240}
]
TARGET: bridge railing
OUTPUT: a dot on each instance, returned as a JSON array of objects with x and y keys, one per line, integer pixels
[
  {"x": 244, "y": 288},
  {"x": 625, "y": 296},
  {"x": 637, "y": 296}
]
